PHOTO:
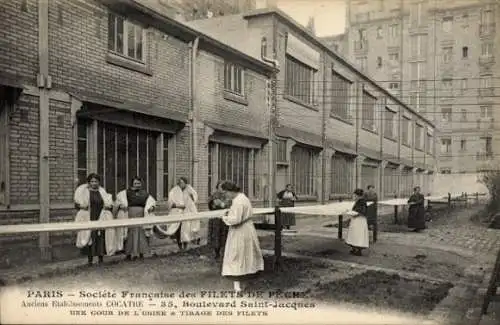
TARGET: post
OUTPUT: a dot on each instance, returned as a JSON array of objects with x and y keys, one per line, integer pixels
[
  {"x": 449, "y": 203},
  {"x": 396, "y": 220},
  {"x": 375, "y": 230},
  {"x": 466, "y": 200},
  {"x": 477, "y": 198},
  {"x": 341, "y": 226},
  {"x": 43, "y": 81},
  {"x": 277, "y": 238}
]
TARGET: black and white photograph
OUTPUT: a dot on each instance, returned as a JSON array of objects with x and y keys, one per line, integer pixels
[{"x": 250, "y": 162}]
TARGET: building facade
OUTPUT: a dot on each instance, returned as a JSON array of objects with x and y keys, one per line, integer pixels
[
  {"x": 441, "y": 57},
  {"x": 127, "y": 93},
  {"x": 336, "y": 129}
]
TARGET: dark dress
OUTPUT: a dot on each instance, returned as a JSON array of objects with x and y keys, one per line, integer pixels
[
  {"x": 360, "y": 207},
  {"x": 217, "y": 229},
  {"x": 288, "y": 219},
  {"x": 371, "y": 210},
  {"x": 137, "y": 243},
  {"x": 98, "y": 245},
  {"x": 416, "y": 212}
]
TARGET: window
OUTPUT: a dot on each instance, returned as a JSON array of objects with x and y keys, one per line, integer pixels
[
  {"x": 234, "y": 78},
  {"x": 418, "y": 44},
  {"x": 485, "y": 82},
  {"x": 464, "y": 115},
  {"x": 488, "y": 149},
  {"x": 487, "y": 22},
  {"x": 361, "y": 42},
  {"x": 281, "y": 151},
  {"x": 447, "y": 84},
  {"x": 447, "y": 54},
  {"x": 429, "y": 144},
  {"x": 342, "y": 172},
  {"x": 362, "y": 62},
  {"x": 389, "y": 128},
  {"x": 233, "y": 165},
  {"x": 463, "y": 145},
  {"x": 123, "y": 153},
  {"x": 487, "y": 49},
  {"x": 340, "y": 96},
  {"x": 3, "y": 152},
  {"x": 445, "y": 145},
  {"x": 369, "y": 106},
  {"x": 369, "y": 174},
  {"x": 405, "y": 131},
  {"x": 446, "y": 112},
  {"x": 379, "y": 62},
  {"x": 486, "y": 111},
  {"x": 82, "y": 152},
  {"x": 418, "y": 137},
  {"x": 165, "y": 169},
  {"x": 391, "y": 180},
  {"x": 465, "y": 52},
  {"x": 413, "y": 99},
  {"x": 463, "y": 85},
  {"x": 125, "y": 38},
  {"x": 394, "y": 31},
  {"x": 302, "y": 170},
  {"x": 447, "y": 24},
  {"x": 416, "y": 14},
  {"x": 380, "y": 32},
  {"x": 299, "y": 80},
  {"x": 394, "y": 57},
  {"x": 394, "y": 85}
]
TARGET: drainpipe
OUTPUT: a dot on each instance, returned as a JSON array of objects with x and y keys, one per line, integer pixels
[
  {"x": 44, "y": 85},
  {"x": 323, "y": 134},
  {"x": 273, "y": 119},
  {"x": 194, "y": 116}
]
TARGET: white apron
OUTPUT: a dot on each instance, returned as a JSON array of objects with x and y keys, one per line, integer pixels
[{"x": 188, "y": 198}]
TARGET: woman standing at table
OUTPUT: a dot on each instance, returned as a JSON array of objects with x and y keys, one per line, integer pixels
[
  {"x": 287, "y": 198},
  {"x": 416, "y": 211},
  {"x": 242, "y": 255},
  {"x": 217, "y": 229},
  {"x": 92, "y": 202},
  {"x": 358, "y": 236}
]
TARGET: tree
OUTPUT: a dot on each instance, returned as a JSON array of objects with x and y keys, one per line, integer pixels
[{"x": 491, "y": 179}]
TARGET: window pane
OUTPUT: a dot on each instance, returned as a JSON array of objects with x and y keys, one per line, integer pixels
[
  {"x": 82, "y": 176},
  {"x": 132, "y": 153},
  {"x": 100, "y": 149},
  {"x": 138, "y": 43},
  {"x": 111, "y": 32},
  {"x": 143, "y": 156},
  {"x": 119, "y": 35},
  {"x": 82, "y": 154},
  {"x": 152, "y": 164},
  {"x": 121, "y": 158},
  {"x": 110, "y": 160}
]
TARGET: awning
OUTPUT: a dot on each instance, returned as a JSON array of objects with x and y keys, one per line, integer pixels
[
  {"x": 341, "y": 147},
  {"x": 300, "y": 136},
  {"x": 236, "y": 136},
  {"x": 148, "y": 117}
]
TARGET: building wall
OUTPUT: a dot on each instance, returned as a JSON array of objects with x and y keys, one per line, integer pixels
[
  {"x": 217, "y": 107},
  {"x": 464, "y": 97}
]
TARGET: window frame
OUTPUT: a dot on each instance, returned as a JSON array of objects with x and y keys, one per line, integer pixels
[
  {"x": 390, "y": 119},
  {"x": 369, "y": 114},
  {"x": 125, "y": 38},
  {"x": 232, "y": 70},
  {"x": 342, "y": 110},
  {"x": 291, "y": 86}
]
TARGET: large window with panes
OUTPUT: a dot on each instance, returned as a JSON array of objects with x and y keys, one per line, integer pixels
[
  {"x": 368, "y": 113},
  {"x": 342, "y": 172},
  {"x": 299, "y": 80},
  {"x": 418, "y": 137},
  {"x": 302, "y": 170},
  {"x": 405, "y": 131},
  {"x": 125, "y": 37},
  {"x": 235, "y": 164},
  {"x": 390, "y": 125},
  {"x": 340, "y": 100},
  {"x": 234, "y": 78}
]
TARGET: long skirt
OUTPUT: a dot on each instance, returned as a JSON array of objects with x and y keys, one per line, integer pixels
[
  {"x": 358, "y": 235},
  {"x": 416, "y": 217},
  {"x": 98, "y": 245},
  {"x": 217, "y": 233},
  {"x": 287, "y": 219},
  {"x": 137, "y": 242}
]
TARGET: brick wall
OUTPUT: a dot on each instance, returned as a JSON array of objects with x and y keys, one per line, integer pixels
[
  {"x": 19, "y": 37},
  {"x": 24, "y": 151},
  {"x": 61, "y": 154}
]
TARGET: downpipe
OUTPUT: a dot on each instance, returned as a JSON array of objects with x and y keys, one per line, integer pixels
[{"x": 194, "y": 115}]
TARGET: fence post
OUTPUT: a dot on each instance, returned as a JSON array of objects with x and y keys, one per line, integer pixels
[
  {"x": 341, "y": 227},
  {"x": 466, "y": 200},
  {"x": 477, "y": 198},
  {"x": 277, "y": 238},
  {"x": 449, "y": 203},
  {"x": 396, "y": 220}
]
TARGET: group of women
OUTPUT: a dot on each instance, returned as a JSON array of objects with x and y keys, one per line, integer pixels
[{"x": 233, "y": 232}]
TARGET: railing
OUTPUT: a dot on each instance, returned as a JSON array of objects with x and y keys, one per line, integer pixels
[{"x": 339, "y": 209}]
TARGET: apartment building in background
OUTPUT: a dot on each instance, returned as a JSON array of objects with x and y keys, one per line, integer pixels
[
  {"x": 441, "y": 57},
  {"x": 335, "y": 128}
]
